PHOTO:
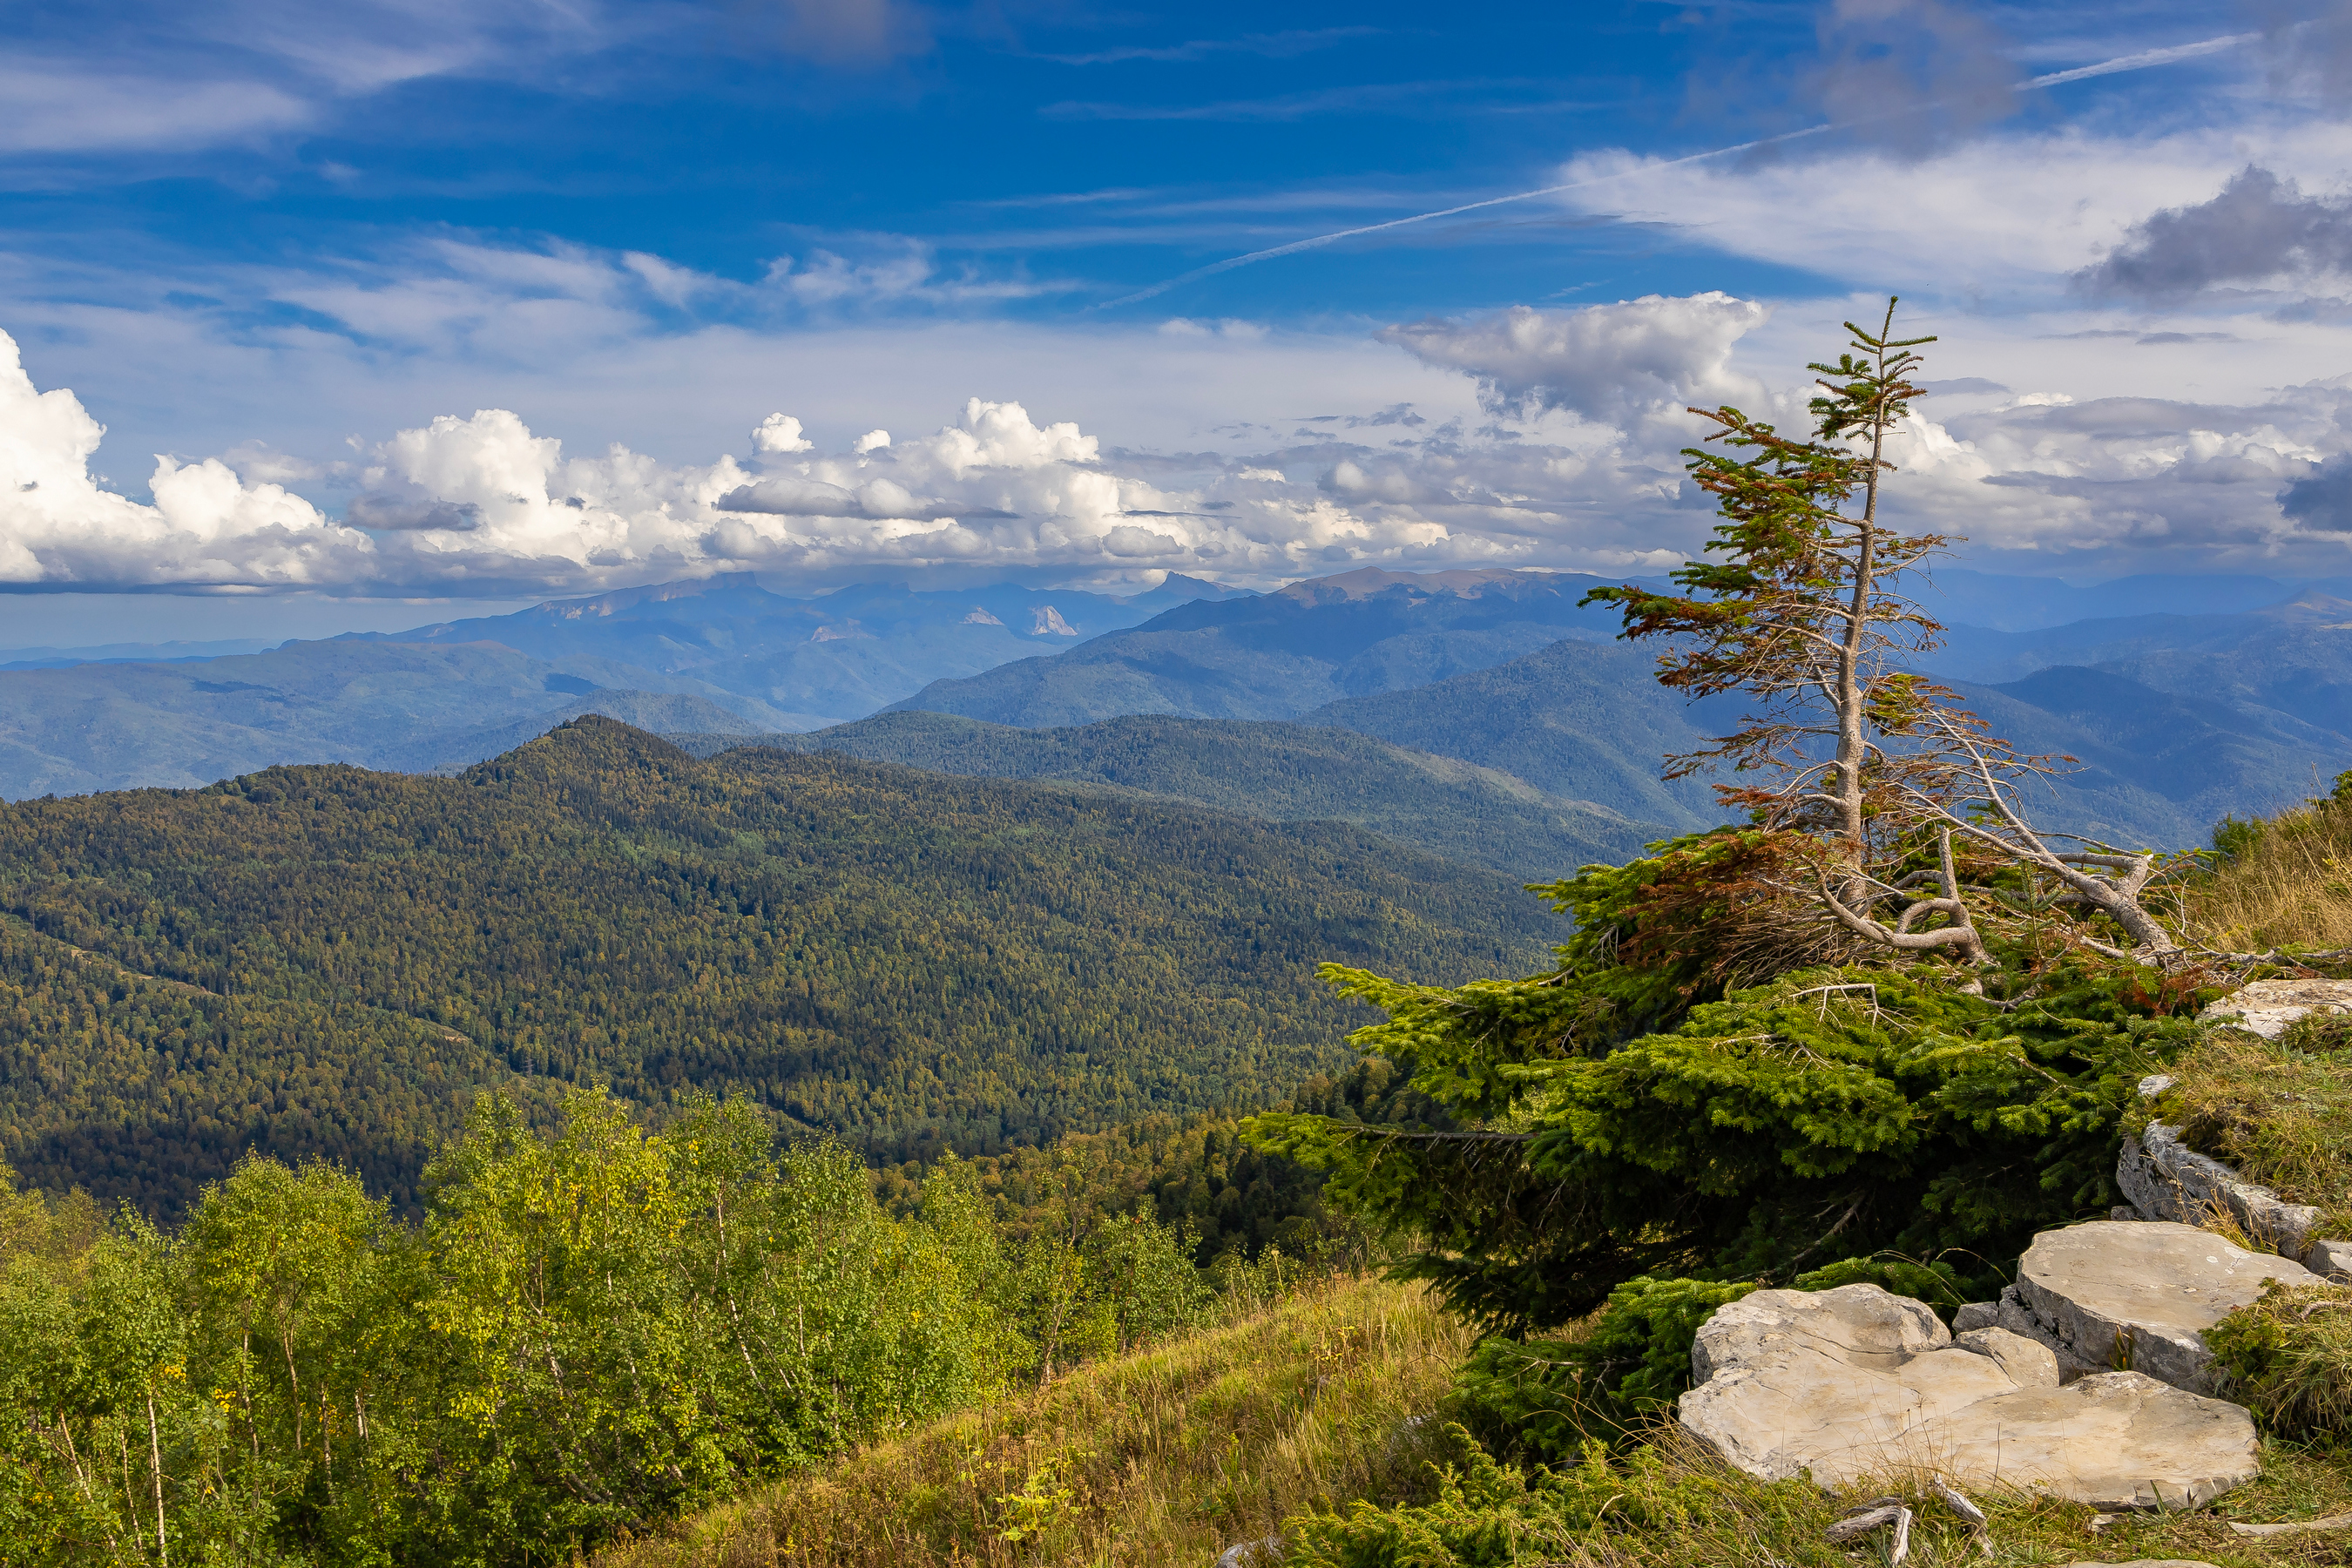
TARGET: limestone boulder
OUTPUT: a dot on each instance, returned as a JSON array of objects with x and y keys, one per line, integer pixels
[
  {"x": 2266, "y": 1007},
  {"x": 1853, "y": 1383},
  {"x": 1976, "y": 1315},
  {"x": 2029, "y": 1362},
  {"x": 2139, "y": 1295},
  {"x": 2165, "y": 1179}
]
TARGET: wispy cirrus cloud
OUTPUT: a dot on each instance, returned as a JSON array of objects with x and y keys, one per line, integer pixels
[
  {"x": 1369, "y": 98},
  {"x": 1266, "y": 45},
  {"x": 60, "y": 106},
  {"x": 212, "y": 73}
]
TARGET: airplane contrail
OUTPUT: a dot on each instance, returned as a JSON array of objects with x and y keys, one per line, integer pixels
[{"x": 2143, "y": 60}]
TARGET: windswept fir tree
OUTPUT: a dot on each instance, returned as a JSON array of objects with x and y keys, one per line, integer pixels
[{"x": 1757, "y": 1060}]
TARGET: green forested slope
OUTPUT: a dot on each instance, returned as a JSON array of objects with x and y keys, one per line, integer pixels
[
  {"x": 910, "y": 960},
  {"x": 1286, "y": 772},
  {"x": 142, "y": 1089}
]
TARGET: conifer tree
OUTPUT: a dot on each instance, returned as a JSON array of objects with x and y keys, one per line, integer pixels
[{"x": 1870, "y": 770}]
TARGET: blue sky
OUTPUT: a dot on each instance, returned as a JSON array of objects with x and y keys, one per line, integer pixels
[{"x": 320, "y": 247}]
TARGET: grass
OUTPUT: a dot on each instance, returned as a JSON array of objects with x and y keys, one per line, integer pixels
[
  {"x": 2279, "y": 1112},
  {"x": 1670, "y": 1503},
  {"x": 2288, "y": 883},
  {"x": 1296, "y": 1422},
  {"x": 1164, "y": 1456}
]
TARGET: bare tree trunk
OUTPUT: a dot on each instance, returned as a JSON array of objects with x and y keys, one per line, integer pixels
[
  {"x": 155, "y": 1469},
  {"x": 1851, "y": 749}
]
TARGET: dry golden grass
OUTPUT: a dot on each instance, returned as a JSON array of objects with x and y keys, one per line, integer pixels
[
  {"x": 1161, "y": 1458},
  {"x": 2289, "y": 885}
]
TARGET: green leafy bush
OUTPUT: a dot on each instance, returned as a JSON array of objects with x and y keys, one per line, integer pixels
[{"x": 1546, "y": 1398}]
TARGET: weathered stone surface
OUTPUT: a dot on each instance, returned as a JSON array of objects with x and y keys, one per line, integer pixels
[
  {"x": 2018, "y": 1319},
  {"x": 2029, "y": 1362},
  {"x": 1872, "y": 1328},
  {"x": 1852, "y": 1383},
  {"x": 2330, "y": 1260},
  {"x": 1976, "y": 1315},
  {"x": 2165, "y": 1179},
  {"x": 2141, "y": 1295},
  {"x": 2266, "y": 1007}
]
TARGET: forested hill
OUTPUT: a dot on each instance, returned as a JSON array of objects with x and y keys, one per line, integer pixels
[{"x": 335, "y": 958}]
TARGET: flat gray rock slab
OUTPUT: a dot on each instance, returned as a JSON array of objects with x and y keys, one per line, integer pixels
[
  {"x": 1854, "y": 1384},
  {"x": 2142, "y": 1294},
  {"x": 2266, "y": 1007}
]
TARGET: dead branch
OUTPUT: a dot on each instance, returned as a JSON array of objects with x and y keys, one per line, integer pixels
[
  {"x": 1961, "y": 935},
  {"x": 1958, "y": 1502},
  {"x": 2300, "y": 1527},
  {"x": 1862, "y": 1524},
  {"x": 2117, "y": 896}
]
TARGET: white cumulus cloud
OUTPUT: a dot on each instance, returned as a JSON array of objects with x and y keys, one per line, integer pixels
[
  {"x": 206, "y": 525},
  {"x": 1606, "y": 363}
]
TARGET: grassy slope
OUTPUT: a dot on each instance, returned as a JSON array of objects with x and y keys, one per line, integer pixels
[
  {"x": 1285, "y": 773},
  {"x": 1163, "y": 1457},
  {"x": 1168, "y": 1455},
  {"x": 2280, "y": 1112}
]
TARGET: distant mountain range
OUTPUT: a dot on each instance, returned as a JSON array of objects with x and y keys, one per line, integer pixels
[
  {"x": 806, "y": 663},
  {"x": 1275, "y": 655},
  {"x": 718, "y": 654},
  {"x": 2174, "y": 720},
  {"x": 1496, "y": 720},
  {"x": 1281, "y": 773}
]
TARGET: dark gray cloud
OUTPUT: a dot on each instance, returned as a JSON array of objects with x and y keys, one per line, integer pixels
[
  {"x": 851, "y": 33},
  {"x": 2308, "y": 47},
  {"x": 1911, "y": 73},
  {"x": 2321, "y": 502},
  {"x": 2259, "y": 226},
  {"x": 411, "y": 510}
]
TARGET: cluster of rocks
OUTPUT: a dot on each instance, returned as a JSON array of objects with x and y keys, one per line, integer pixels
[{"x": 2088, "y": 1380}]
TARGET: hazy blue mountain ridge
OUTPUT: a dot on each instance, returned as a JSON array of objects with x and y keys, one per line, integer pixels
[
  {"x": 385, "y": 705},
  {"x": 2000, "y": 602},
  {"x": 2176, "y": 718},
  {"x": 1585, "y": 720},
  {"x": 701, "y": 655},
  {"x": 1276, "y": 655},
  {"x": 1279, "y": 772},
  {"x": 823, "y": 660}
]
